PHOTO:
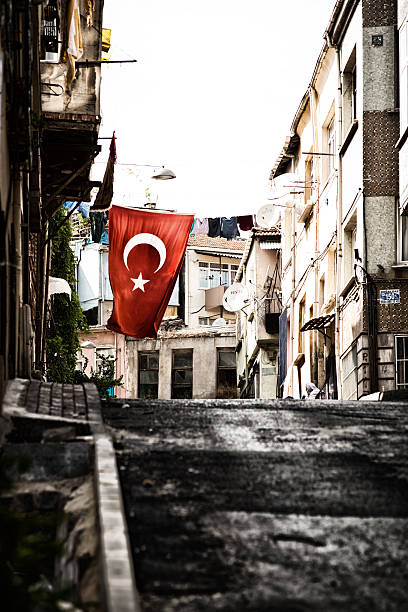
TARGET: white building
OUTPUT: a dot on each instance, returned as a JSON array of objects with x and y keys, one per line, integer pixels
[
  {"x": 258, "y": 321},
  {"x": 344, "y": 262}
]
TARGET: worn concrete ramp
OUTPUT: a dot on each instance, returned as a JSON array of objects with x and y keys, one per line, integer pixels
[{"x": 265, "y": 506}]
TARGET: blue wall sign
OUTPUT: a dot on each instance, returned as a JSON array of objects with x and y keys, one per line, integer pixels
[{"x": 390, "y": 296}]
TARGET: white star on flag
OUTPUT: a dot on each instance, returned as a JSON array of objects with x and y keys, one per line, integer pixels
[{"x": 139, "y": 282}]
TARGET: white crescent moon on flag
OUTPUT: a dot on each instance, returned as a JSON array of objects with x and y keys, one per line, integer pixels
[{"x": 151, "y": 239}]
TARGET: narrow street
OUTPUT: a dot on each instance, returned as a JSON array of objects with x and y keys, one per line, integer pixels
[{"x": 264, "y": 505}]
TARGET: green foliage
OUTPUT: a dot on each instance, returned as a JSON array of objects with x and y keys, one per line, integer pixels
[
  {"x": 67, "y": 318},
  {"x": 103, "y": 378}
]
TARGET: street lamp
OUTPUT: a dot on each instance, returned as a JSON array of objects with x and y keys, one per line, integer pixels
[{"x": 164, "y": 174}]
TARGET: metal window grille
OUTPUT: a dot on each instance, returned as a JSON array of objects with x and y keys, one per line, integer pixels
[{"x": 401, "y": 362}]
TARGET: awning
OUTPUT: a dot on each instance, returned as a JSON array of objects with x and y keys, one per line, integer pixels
[
  {"x": 318, "y": 323},
  {"x": 268, "y": 246},
  {"x": 215, "y": 253}
]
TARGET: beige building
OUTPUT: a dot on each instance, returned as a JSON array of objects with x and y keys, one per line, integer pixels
[
  {"x": 193, "y": 355},
  {"x": 344, "y": 268},
  {"x": 258, "y": 321}
]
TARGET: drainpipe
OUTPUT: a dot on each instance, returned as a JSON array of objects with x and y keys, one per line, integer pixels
[
  {"x": 339, "y": 249},
  {"x": 313, "y": 112},
  {"x": 187, "y": 289},
  {"x": 292, "y": 296},
  {"x": 18, "y": 196}
]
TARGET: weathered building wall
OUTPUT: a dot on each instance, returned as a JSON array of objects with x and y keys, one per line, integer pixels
[
  {"x": 380, "y": 131},
  {"x": 85, "y": 95},
  {"x": 203, "y": 343}
]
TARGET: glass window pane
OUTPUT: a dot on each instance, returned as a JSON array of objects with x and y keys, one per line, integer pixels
[
  {"x": 153, "y": 361},
  {"x": 149, "y": 376},
  {"x": 400, "y": 348},
  {"x": 143, "y": 362},
  {"x": 181, "y": 393},
  {"x": 226, "y": 359},
  {"x": 404, "y": 238},
  {"x": 400, "y": 373},
  {"x": 183, "y": 359},
  {"x": 224, "y": 277},
  {"x": 183, "y": 377},
  {"x": 203, "y": 276},
  {"x": 148, "y": 391}
]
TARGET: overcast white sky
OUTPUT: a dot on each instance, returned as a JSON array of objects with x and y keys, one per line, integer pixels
[{"x": 212, "y": 96}]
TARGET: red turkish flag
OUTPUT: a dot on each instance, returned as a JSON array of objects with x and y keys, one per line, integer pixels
[{"x": 146, "y": 251}]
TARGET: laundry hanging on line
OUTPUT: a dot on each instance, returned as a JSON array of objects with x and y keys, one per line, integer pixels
[
  {"x": 222, "y": 227},
  {"x": 229, "y": 228}
]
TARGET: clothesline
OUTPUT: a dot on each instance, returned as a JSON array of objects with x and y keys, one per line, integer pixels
[
  {"x": 213, "y": 227},
  {"x": 224, "y": 227}
]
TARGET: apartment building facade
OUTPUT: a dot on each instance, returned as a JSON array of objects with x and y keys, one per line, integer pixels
[
  {"x": 258, "y": 320},
  {"x": 344, "y": 279}
]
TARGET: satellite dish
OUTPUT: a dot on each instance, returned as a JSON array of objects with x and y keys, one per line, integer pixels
[
  {"x": 267, "y": 216},
  {"x": 235, "y": 297},
  {"x": 219, "y": 322}
]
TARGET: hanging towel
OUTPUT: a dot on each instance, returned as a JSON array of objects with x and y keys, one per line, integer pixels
[
  {"x": 229, "y": 228},
  {"x": 98, "y": 222},
  {"x": 201, "y": 226},
  {"x": 246, "y": 222},
  {"x": 214, "y": 227},
  {"x": 192, "y": 228}
]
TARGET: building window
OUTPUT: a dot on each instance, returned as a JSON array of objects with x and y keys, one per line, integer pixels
[
  {"x": 213, "y": 275},
  {"x": 309, "y": 180},
  {"x": 321, "y": 293},
  {"x": 354, "y": 93},
  {"x": 149, "y": 375},
  {"x": 402, "y": 238},
  {"x": 349, "y": 93},
  {"x": 302, "y": 306},
  {"x": 226, "y": 374},
  {"x": 349, "y": 248},
  {"x": 182, "y": 374},
  {"x": 49, "y": 32},
  {"x": 331, "y": 147},
  {"x": 233, "y": 272},
  {"x": 403, "y": 64},
  {"x": 401, "y": 361}
]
